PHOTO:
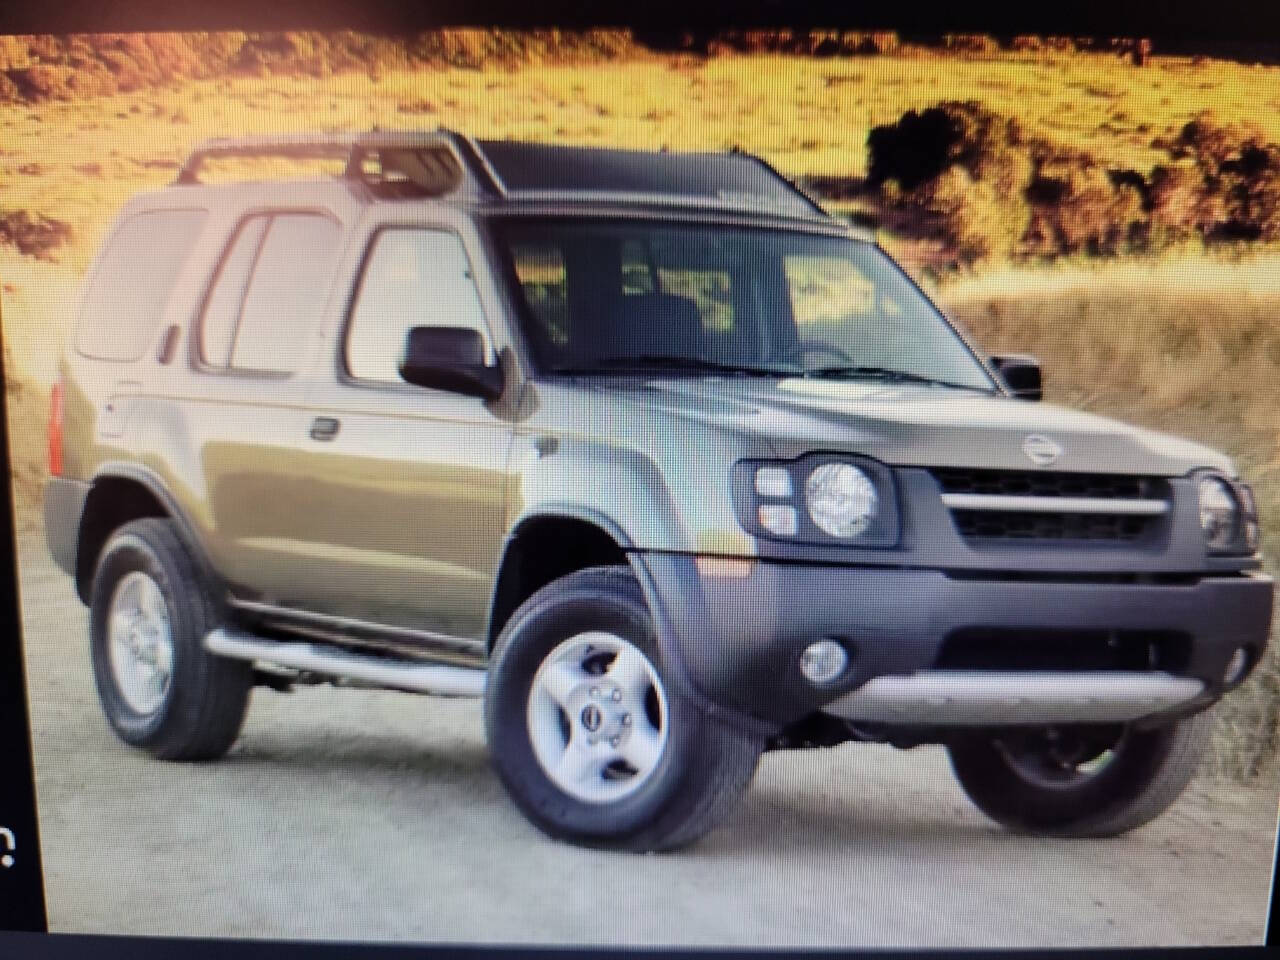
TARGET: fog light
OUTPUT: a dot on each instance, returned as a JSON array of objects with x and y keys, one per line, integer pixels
[
  {"x": 1236, "y": 667},
  {"x": 823, "y": 661}
]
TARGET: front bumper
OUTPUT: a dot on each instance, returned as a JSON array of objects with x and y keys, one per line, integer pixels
[{"x": 738, "y": 640}]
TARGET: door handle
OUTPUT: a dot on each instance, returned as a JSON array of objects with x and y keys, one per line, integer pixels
[{"x": 324, "y": 428}]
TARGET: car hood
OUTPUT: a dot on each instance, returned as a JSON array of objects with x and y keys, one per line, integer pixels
[{"x": 902, "y": 424}]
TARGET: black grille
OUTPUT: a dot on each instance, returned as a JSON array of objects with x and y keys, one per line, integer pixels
[
  {"x": 1040, "y": 483},
  {"x": 1064, "y": 650},
  {"x": 1052, "y": 525},
  {"x": 1012, "y": 525}
]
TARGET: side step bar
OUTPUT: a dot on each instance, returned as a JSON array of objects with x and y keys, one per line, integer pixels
[
  {"x": 972, "y": 698},
  {"x": 412, "y": 676}
]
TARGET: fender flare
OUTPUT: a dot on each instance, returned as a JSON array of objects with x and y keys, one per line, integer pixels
[
  {"x": 668, "y": 643},
  {"x": 153, "y": 484}
]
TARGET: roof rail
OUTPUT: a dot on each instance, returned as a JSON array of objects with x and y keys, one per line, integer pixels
[
  {"x": 801, "y": 193},
  {"x": 435, "y": 161},
  {"x": 419, "y": 163}
]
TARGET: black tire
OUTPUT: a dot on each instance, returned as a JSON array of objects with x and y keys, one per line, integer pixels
[
  {"x": 1145, "y": 773},
  {"x": 704, "y": 769},
  {"x": 207, "y": 697}
]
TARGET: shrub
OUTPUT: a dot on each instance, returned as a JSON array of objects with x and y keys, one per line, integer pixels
[
  {"x": 963, "y": 169},
  {"x": 1077, "y": 207},
  {"x": 980, "y": 222},
  {"x": 1236, "y": 175},
  {"x": 1024, "y": 196},
  {"x": 36, "y": 236}
]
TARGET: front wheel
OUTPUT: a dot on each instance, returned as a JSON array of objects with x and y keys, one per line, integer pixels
[
  {"x": 1082, "y": 781},
  {"x": 585, "y": 732}
]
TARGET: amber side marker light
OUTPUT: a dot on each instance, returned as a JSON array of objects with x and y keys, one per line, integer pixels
[
  {"x": 55, "y": 429},
  {"x": 731, "y": 568}
]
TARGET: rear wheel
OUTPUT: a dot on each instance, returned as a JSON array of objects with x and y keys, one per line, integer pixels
[
  {"x": 148, "y": 614},
  {"x": 1081, "y": 781},
  {"x": 587, "y": 735}
]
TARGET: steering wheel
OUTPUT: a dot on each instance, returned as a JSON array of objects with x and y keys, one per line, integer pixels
[{"x": 806, "y": 346}]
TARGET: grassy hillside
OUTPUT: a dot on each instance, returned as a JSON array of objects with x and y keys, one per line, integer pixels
[
  {"x": 811, "y": 117},
  {"x": 1185, "y": 338}
]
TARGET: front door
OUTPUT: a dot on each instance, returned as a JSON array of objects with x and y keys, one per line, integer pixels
[{"x": 408, "y": 482}]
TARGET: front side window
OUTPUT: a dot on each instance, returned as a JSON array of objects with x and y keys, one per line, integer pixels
[
  {"x": 412, "y": 278},
  {"x": 125, "y": 302},
  {"x": 605, "y": 295}
]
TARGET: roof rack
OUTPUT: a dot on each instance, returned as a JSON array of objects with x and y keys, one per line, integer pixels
[{"x": 435, "y": 163}]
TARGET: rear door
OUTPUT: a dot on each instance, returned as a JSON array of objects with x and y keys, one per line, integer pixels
[
  {"x": 255, "y": 333},
  {"x": 405, "y": 483}
]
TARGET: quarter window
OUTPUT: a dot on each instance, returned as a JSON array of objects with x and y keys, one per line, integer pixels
[
  {"x": 413, "y": 278},
  {"x": 126, "y": 300}
]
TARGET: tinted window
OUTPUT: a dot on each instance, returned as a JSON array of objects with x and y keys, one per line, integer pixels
[
  {"x": 286, "y": 292},
  {"x": 125, "y": 303},
  {"x": 414, "y": 278},
  {"x": 222, "y": 309}
]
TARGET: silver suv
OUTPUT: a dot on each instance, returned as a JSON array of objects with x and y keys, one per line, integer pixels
[{"x": 664, "y": 462}]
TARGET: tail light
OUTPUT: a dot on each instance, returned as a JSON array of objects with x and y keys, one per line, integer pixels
[{"x": 55, "y": 430}]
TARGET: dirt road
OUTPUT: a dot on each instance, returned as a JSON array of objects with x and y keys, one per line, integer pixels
[{"x": 376, "y": 816}]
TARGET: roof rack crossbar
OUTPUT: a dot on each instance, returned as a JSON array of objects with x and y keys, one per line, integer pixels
[{"x": 354, "y": 148}]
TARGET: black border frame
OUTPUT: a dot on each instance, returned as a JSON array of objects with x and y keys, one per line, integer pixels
[{"x": 22, "y": 903}]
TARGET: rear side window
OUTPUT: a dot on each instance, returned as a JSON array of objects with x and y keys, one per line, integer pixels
[
  {"x": 125, "y": 301},
  {"x": 271, "y": 288}
]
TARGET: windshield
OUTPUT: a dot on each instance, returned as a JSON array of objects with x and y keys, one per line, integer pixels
[{"x": 613, "y": 296}]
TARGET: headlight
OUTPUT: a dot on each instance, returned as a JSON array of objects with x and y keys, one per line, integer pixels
[
  {"x": 818, "y": 499},
  {"x": 842, "y": 500},
  {"x": 1219, "y": 513}
]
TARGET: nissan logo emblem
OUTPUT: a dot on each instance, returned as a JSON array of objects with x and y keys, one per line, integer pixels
[{"x": 1041, "y": 450}]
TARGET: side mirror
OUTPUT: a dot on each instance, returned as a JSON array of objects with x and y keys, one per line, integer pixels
[
  {"x": 1021, "y": 374},
  {"x": 450, "y": 358}
]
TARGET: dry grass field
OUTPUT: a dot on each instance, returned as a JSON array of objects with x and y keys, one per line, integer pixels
[{"x": 1187, "y": 342}]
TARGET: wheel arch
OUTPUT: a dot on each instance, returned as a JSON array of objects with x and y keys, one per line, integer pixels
[
  {"x": 118, "y": 494},
  {"x": 545, "y": 546}
]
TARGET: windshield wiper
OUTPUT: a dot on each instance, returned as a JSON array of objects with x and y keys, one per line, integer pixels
[
  {"x": 658, "y": 361},
  {"x": 856, "y": 372}
]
